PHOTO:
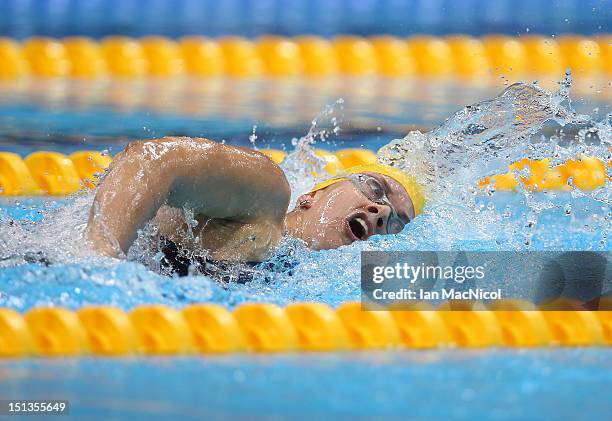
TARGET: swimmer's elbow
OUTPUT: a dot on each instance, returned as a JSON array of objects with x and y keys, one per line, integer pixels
[
  {"x": 152, "y": 160},
  {"x": 133, "y": 149},
  {"x": 148, "y": 150},
  {"x": 100, "y": 244}
]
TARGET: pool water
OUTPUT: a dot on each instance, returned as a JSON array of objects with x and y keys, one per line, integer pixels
[
  {"x": 495, "y": 384},
  {"x": 331, "y": 276},
  {"x": 457, "y": 217}
]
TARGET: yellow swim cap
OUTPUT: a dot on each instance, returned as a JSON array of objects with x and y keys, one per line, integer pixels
[{"x": 409, "y": 183}]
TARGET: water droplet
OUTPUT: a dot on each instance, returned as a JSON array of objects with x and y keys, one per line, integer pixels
[{"x": 253, "y": 136}]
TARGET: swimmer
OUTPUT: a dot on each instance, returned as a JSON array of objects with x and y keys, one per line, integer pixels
[{"x": 236, "y": 202}]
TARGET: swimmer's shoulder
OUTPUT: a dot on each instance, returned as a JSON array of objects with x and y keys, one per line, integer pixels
[
  {"x": 188, "y": 145},
  {"x": 234, "y": 177}
]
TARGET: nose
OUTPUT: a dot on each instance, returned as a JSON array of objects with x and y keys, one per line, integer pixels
[{"x": 378, "y": 215}]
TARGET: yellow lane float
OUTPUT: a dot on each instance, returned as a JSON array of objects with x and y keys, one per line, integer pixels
[
  {"x": 15, "y": 337},
  {"x": 109, "y": 330},
  {"x": 421, "y": 328},
  {"x": 470, "y": 56},
  {"x": 214, "y": 329},
  {"x": 543, "y": 55},
  {"x": 56, "y": 332},
  {"x": 369, "y": 329},
  {"x": 574, "y": 328},
  {"x": 274, "y": 154},
  {"x": 89, "y": 165},
  {"x": 202, "y": 56},
  {"x": 15, "y": 177},
  {"x": 161, "y": 330},
  {"x": 124, "y": 57},
  {"x": 13, "y": 63},
  {"x": 318, "y": 56},
  {"x": 55, "y": 174},
  {"x": 85, "y": 56},
  {"x": 274, "y": 56},
  {"x": 241, "y": 57},
  {"x": 164, "y": 57},
  {"x": 473, "y": 329},
  {"x": 394, "y": 56},
  {"x": 355, "y": 55},
  {"x": 433, "y": 56},
  {"x": 47, "y": 57},
  {"x": 317, "y": 327},
  {"x": 266, "y": 327},
  {"x": 262, "y": 327},
  {"x": 506, "y": 54},
  {"x": 280, "y": 56},
  {"x": 353, "y": 157},
  {"x": 585, "y": 173},
  {"x": 581, "y": 54}
]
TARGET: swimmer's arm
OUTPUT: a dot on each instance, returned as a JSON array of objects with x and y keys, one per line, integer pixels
[{"x": 209, "y": 178}]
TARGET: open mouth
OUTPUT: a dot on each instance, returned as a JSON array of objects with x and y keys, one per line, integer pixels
[{"x": 358, "y": 227}]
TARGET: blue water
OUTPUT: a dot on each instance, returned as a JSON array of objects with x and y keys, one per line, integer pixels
[
  {"x": 325, "y": 17},
  {"x": 50, "y": 228},
  {"x": 330, "y": 276},
  {"x": 567, "y": 384},
  {"x": 458, "y": 384}
]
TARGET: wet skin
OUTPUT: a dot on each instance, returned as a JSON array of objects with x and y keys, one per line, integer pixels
[
  {"x": 238, "y": 199},
  {"x": 340, "y": 214}
]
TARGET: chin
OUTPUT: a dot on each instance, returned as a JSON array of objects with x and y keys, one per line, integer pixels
[{"x": 330, "y": 235}]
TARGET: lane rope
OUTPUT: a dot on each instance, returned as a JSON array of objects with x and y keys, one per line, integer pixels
[
  {"x": 459, "y": 56},
  {"x": 267, "y": 328},
  {"x": 55, "y": 174}
]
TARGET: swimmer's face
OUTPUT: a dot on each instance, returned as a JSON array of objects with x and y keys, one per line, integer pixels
[{"x": 345, "y": 212}]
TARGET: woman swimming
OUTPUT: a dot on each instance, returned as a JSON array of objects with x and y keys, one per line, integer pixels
[{"x": 239, "y": 199}]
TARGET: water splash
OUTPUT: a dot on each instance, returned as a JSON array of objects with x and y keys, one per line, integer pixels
[
  {"x": 480, "y": 140},
  {"x": 483, "y": 139},
  {"x": 302, "y": 166},
  {"x": 52, "y": 233}
]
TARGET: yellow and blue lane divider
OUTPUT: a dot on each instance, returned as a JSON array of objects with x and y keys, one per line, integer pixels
[
  {"x": 53, "y": 173},
  {"x": 459, "y": 56},
  {"x": 303, "y": 326}
]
